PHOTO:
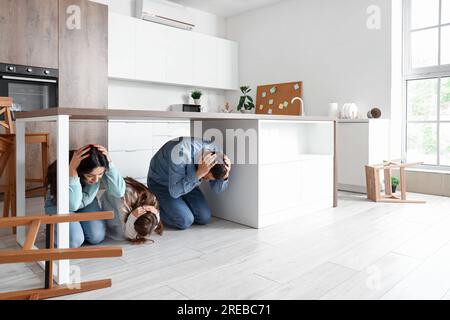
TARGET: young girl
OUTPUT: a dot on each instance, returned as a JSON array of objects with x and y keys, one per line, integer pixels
[
  {"x": 136, "y": 214},
  {"x": 88, "y": 167}
]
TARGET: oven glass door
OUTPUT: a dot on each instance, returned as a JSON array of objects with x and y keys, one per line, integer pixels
[{"x": 31, "y": 95}]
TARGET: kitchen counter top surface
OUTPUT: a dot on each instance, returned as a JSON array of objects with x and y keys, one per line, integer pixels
[{"x": 124, "y": 114}]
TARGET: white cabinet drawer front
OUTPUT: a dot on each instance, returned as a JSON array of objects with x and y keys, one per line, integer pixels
[
  {"x": 130, "y": 136},
  {"x": 173, "y": 129},
  {"x": 280, "y": 186},
  {"x": 132, "y": 164},
  {"x": 180, "y": 129},
  {"x": 159, "y": 141}
]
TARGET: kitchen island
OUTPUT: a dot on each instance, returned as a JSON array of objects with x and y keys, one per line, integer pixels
[{"x": 283, "y": 166}]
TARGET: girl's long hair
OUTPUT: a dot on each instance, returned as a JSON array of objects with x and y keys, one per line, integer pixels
[
  {"x": 138, "y": 195},
  {"x": 95, "y": 160}
]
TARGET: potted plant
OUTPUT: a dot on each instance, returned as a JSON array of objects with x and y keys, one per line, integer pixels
[
  {"x": 246, "y": 104},
  {"x": 196, "y": 95},
  {"x": 394, "y": 182}
]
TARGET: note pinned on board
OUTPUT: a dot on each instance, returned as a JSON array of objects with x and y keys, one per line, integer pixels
[
  {"x": 285, "y": 104},
  {"x": 271, "y": 101},
  {"x": 269, "y": 111},
  {"x": 264, "y": 94},
  {"x": 261, "y": 107},
  {"x": 273, "y": 90},
  {"x": 280, "y": 106},
  {"x": 296, "y": 86}
]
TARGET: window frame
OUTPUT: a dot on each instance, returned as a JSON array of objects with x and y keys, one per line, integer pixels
[{"x": 423, "y": 73}]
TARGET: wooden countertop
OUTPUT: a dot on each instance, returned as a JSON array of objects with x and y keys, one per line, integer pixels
[{"x": 123, "y": 114}]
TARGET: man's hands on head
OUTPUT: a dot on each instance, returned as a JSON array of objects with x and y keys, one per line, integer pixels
[
  {"x": 207, "y": 162},
  {"x": 227, "y": 162}
]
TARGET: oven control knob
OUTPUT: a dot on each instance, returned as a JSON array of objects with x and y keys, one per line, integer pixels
[
  {"x": 29, "y": 70},
  {"x": 10, "y": 68},
  {"x": 47, "y": 72}
]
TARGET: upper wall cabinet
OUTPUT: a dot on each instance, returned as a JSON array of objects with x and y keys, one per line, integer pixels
[
  {"x": 122, "y": 46},
  {"x": 29, "y": 32},
  {"x": 145, "y": 51}
]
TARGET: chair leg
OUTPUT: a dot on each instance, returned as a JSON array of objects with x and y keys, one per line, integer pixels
[{"x": 6, "y": 201}]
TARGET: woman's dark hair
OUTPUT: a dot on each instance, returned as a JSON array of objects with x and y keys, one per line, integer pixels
[
  {"x": 148, "y": 222},
  {"x": 95, "y": 160}
]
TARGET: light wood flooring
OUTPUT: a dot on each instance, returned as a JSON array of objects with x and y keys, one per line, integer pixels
[{"x": 360, "y": 250}]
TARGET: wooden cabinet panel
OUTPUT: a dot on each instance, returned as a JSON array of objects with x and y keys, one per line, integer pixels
[
  {"x": 29, "y": 32},
  {"x": 83, "y": 56}
]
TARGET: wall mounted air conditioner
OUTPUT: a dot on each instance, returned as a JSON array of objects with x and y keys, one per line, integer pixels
[{"x": 164, "y": 12}]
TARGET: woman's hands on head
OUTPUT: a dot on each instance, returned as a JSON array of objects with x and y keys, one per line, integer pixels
[
  {"x": 103, "y": 150},
  {"x": 77, "y": 157}
]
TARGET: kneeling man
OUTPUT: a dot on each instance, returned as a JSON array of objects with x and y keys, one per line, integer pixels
[{"x": 175, "y": 174}]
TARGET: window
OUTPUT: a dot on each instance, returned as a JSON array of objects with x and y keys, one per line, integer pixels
[{"x": 427, "y": 82}]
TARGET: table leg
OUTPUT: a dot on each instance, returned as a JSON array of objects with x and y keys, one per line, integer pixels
[
  {"x": 62, "y": 147},
  {"x": 20, "y": 178}
]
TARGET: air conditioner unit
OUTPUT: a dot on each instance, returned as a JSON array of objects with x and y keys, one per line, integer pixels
[{"x": 164, "y": 12}]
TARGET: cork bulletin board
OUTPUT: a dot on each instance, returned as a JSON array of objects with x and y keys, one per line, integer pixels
[{"x": 280, "y": 98}]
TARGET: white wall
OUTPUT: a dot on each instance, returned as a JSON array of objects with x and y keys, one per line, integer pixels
[
  {"x": 324, "y": 43},
  {"x": 141, "y": 95}
]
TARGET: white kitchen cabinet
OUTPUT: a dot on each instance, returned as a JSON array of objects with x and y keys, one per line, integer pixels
[
  {"x": 132, "y": 144},
  {"x": 122, "y": 46},
  {"x": 132, "y": 164},
  {"x": 292, "y": 174},
  {"x": 126, "y": 136},
  {"x": 205, "y": 60},
  {"x": 145, "y": 51},
  {"x": 227, "y": 64},
  {"x": 179, "y": 57},
  {"x": 360, "y": 143},
  {"x": 151, "y": 51}
]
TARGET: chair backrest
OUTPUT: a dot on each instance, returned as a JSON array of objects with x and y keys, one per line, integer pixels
[{"x": 5, "y": 114}]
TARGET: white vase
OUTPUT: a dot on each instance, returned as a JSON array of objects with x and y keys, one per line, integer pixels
[{"x": 197, "y": 101}]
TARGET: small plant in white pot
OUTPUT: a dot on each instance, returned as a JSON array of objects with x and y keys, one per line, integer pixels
[
  {"x": 196, "y": 95},
  {"x": 246, "y": 104}
]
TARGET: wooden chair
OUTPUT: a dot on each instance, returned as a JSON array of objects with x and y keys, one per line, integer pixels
[
  {"x": 31, "y": 254},
  {"x": 373, "y": 182},
  {"x": 30, "y": 138}
]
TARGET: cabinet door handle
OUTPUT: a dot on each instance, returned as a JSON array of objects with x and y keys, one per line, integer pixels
[{"x": 29, "y": 79}]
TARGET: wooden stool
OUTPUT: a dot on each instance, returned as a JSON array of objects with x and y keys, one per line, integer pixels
[
  {"x": 29, "y": 253},
  {"x": 373, "y": 182},
  {"x": 30, "y": 138}
]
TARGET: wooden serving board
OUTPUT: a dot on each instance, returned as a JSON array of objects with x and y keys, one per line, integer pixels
[{"x": 280, "y": 99}]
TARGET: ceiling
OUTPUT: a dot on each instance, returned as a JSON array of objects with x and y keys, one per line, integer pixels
[{"x": 226, "y": 8}]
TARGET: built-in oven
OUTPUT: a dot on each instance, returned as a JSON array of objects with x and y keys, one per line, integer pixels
[{"x": 31, "y": 88}]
